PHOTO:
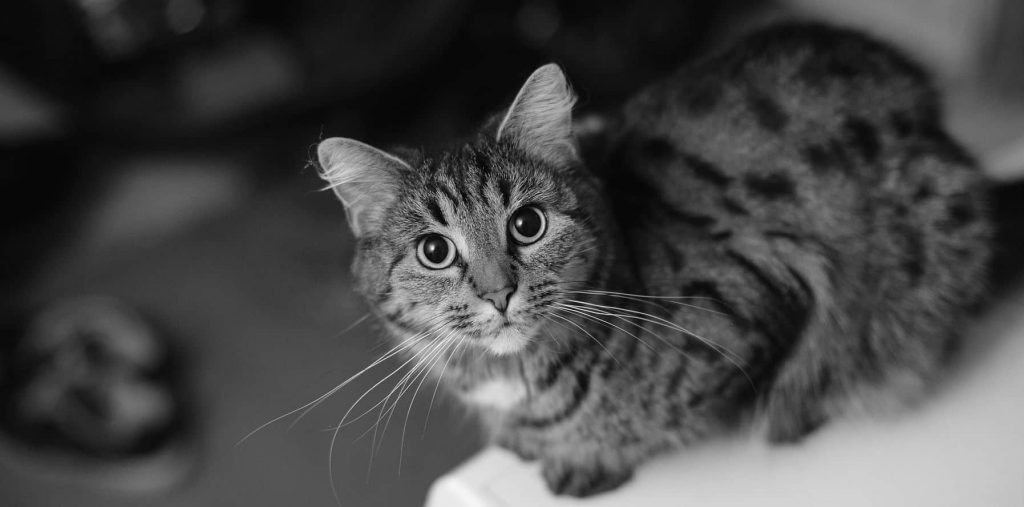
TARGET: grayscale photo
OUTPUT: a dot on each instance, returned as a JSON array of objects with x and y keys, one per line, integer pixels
[{"x": 516, "y": 253}]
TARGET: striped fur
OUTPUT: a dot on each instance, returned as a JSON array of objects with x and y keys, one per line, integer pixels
[{"x": 768, "y": 233}]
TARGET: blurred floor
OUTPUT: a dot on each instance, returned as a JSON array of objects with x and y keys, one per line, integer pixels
[{"x": 256, "y": 297}]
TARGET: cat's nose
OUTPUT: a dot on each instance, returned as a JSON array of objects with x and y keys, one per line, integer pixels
[{"x": 500, "y": 297}]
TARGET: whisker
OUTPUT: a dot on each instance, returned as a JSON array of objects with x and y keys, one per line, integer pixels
[
  {"x": 598, "y": 342},
  {"x": 644, "y": 299},
  {"x": 654, "y": 319},
  {"x": 599, "y": 291},
  {"x": 402, "y": 386},
  {"x": 438, "y": 384},
  {"x": 587, "y": 314},
  {"x": 408, "y": 411},
  {"x": 422, "y": 336},
  {"x": 382, "y": 404},
  {"x": 341, "y": 423},
  {"x": 608, "y": 325},
  {"x": 419, "y": 370},
  {"x": 561, "y": 345},
  {"x": 595, "y": 315},
  {"x": 721, "y": 349},
  {"x": 422, "y": 370},
  {"x": 669, "y": 299},
  {"x": 305, "y": 408},
  {"x": 412, "y": 342},
  {"x": 353, "y": 325}
]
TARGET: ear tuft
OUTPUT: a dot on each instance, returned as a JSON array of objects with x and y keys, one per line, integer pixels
[
  {"x": 364, "y": 178},
  {"x": 540, "y": 118}
]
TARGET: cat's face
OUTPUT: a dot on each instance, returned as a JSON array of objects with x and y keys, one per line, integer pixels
[
  {"x": 476, "y": 244},
  {"x": 480, "y": 254}
]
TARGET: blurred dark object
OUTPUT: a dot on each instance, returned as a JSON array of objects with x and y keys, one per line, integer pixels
[
  {"x": 91, "y": 392},
  {"x": 167, "y": 67},
  {"x": 189, "y": 68},
  {"x": 616, "y": 47},
  {"x": 125, "y": 29},
  {"x": 41, "y": 190},
  {"x": 1007, "y": 208},
  {"x": 1006, "y": 44},
  {"x": 46, "y": 44},
  {"x": 71, "y": 47}
]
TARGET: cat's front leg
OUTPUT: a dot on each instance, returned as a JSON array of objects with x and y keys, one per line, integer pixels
[
  {"x": 564, "y": 472},
  {"x": 578, "y": 479},
  {"x": 525, "y": 449}
]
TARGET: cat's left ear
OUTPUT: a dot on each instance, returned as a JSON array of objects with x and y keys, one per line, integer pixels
[
  {"x": 539, "y": 121},
  {"x": 364, "y": 178}
]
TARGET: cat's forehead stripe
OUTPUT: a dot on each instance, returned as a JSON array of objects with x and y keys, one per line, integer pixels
[
  {"x": 455, "y": 174},
  {"x": 435, "y": 212},
  {"x": 442, "y": 189},
  {"x": 506, "y": 192}
]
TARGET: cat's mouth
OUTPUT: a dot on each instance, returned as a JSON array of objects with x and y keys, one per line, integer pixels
[{"x": 508, "y": 340}]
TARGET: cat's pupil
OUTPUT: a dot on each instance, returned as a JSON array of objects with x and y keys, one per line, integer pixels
[
  {"x": 527, "y": 222},
  {"x": 435, "y": 249}
]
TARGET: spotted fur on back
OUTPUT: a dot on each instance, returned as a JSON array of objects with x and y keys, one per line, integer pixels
[{"x": 770, "y": 233}]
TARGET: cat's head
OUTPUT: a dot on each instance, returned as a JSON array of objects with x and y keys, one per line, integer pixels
[{"x": 477, "y": 242}]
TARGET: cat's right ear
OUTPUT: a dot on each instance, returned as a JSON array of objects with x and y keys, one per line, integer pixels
[
  {"x": 364, "y": 178},
  {"x": 539, "y": 121}
]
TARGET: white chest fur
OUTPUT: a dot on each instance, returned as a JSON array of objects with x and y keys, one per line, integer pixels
[{"x": 499, "y": 393}]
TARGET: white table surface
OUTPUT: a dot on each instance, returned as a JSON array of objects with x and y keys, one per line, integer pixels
[{"x": 965, "y": 447}]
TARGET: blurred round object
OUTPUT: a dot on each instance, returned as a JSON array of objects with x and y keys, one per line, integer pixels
[
  {"x": 90, "y": 393},
  {"x": 125, "y": 29},
  {"x": 96, "y": 326}
]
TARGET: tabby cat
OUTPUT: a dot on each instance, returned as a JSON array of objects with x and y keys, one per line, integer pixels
[{"x": 770, "y": 235}]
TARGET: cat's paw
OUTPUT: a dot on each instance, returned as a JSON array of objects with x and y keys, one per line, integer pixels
[
  {"x": 523, "y": 453},
  {"x": 790, "y": 422},
  {"x": 582, "y": 480}
]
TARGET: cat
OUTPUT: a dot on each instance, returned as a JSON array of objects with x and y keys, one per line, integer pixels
[{"x": 774, "y": 234}]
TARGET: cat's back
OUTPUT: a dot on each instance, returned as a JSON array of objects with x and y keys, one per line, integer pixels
[
  {"x": 788, "y": 80},
  {"x": 796, "y": 126},
  {"x": 803, "y": 179},
  {"x": 810, "y": 146}
]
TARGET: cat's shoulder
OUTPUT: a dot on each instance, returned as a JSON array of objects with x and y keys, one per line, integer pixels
[
  {"x": 820, "y": 51},
  {"x": 810, "y": 69}
]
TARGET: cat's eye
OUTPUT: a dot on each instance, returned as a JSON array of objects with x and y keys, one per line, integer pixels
[
  {"x": 435, "y": 251},
  {"x": 527, "y": 225}
]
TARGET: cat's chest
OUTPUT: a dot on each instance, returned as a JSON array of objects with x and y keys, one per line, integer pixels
[{"x": 500, "y": 393}]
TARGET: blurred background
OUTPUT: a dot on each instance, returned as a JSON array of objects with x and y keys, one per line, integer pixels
[{"x": 155, "y": 182}]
